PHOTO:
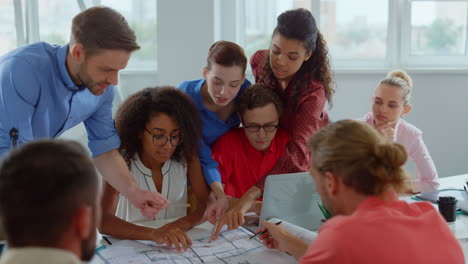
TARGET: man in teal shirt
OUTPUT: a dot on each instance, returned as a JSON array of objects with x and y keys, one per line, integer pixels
[{"x": 47, "y": 89}]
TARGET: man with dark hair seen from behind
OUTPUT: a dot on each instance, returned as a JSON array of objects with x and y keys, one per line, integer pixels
[
  {"x": 47, "y": 89},
  {"x": 56, "y": 222}
]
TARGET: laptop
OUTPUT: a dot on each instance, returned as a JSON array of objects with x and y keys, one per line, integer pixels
[{"x": 293, "y": 198}]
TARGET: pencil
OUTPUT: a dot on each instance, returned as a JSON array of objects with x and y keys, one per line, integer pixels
[
  {"x": 264, "y": 231},
  {"x": 215, "y": 226},
  {"x": 179, "y": 205}
]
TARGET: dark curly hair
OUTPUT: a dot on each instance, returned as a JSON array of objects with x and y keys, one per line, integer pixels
[
  {"x": 140, "y": 107},
  {"x": 299, "y": 24}
]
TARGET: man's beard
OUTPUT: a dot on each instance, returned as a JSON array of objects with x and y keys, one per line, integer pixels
[
  {"x": 87, "y": 82},
  {"x": 88, "y": 245}
]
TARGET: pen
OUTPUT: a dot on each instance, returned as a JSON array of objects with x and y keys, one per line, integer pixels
[
  {"x": 215, "y": 226},
  {"x": 179, "y": 205},
  {"x": 100, "y": 248},
  {"x": 264, "y": 231},
  {"x": 107, "y": 240}
]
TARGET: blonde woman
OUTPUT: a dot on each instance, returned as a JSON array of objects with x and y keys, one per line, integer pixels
[{"x": 390, "y": 103}]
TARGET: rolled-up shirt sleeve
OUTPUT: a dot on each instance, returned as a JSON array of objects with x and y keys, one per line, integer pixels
[
  {"x": 209, "y": 165},
  {"x": 102, "y": 135}
]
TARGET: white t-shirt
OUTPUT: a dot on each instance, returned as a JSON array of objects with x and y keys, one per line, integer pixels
[{"x": 174, "y": 189}]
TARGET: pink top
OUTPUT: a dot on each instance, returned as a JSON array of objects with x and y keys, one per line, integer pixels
[
  {"x": 411, "y": 138},
  {"x": 386, "y": 232}
]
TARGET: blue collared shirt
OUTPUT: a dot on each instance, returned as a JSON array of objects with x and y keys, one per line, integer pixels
[
  {"x": 213, "y": 127},
  {"x": 39, "y": 98}
]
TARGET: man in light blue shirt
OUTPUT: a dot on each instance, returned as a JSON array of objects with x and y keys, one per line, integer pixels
[{"x": 47, "y": 89}]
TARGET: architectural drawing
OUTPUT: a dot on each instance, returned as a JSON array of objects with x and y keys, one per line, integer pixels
[{"x": 231, "y": 247}]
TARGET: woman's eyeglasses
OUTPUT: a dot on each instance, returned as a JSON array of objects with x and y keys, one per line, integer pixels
[{"x": 161, "y": 140}]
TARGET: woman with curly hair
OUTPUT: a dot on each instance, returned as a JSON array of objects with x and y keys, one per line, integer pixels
[
  {"x": 297, "y": 67},
  {"x": 160, "y": 130}
]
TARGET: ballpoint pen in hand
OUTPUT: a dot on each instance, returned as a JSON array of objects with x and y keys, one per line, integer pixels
[
  {"x": 215, "y": 226},
  {"x": 264, "y": 231}
]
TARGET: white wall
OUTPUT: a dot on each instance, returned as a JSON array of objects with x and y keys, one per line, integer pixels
[
  {"x": 185, "y": 34},
  {"x": 439, "y": 110}
]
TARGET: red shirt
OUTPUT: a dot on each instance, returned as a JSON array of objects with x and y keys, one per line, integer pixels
[
  {"x": 302, "y": 122},
  {"x": 386, "y": 232},
  {"x": 241, "y": 165}
]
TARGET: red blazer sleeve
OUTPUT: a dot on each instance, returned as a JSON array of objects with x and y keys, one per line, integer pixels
[{"x": 256, "y": 63}]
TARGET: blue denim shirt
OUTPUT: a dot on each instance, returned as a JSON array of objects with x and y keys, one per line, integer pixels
[
  {"x": 39, "y": 98},
  {"x": 213, "y": 127}
]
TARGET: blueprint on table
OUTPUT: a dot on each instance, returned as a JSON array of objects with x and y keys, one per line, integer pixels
[{"x": 231, "y": 247}]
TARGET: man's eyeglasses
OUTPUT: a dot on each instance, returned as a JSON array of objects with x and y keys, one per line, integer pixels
[
  {"x": 161, "y": 140},
  {"x": 266, "y": 128}
]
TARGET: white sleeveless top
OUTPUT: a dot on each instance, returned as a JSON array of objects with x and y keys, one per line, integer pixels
[{"x": 174, "y": 189}]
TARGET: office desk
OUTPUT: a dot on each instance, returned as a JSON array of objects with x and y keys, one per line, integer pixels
[
  {"x": 460, "y": 227},
  {"x": 193, "y": 233}
]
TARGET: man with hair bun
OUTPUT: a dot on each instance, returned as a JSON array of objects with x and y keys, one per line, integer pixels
[
  {"x": 358, "y": 174},
  {"x": 390, "y": 103}
]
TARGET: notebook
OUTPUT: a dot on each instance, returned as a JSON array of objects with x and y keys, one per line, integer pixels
[{"x": 293, "y": 198}]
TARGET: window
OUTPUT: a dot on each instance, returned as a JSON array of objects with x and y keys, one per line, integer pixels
[
  {"x": 355, "y": 29},
  {"x": 438, "y": 28},
  {"x": 51, "y": 20},
  {"x": 435, "y": 33},
  {"x": 141, "y": 16},
  {"x": 260, "y": 21},
  {"x": 371, "y": 34},
  {"x": 54, "y": 28},
  {"x": 7, "y": 26}
]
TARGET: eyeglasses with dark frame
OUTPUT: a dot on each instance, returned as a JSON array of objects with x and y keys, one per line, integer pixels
[
  {"x": 161, "y": 140},
  {"x": 266, "y": 128}
]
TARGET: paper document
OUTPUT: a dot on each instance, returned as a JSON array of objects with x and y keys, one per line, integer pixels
[
  {"x": 231, "y": 247},
  {"x": 299, "y": 232},
  {"x": 459, "y": 194},
  {"x": 464, "y": 245}
]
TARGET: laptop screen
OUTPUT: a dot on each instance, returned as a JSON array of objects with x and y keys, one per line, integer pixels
[{"x": 293, "y": 198}]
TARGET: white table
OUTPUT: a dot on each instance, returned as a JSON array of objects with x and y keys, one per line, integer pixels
[
  {"x": 460, "y": 227},
  {"x": 193, "y": 233}
]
